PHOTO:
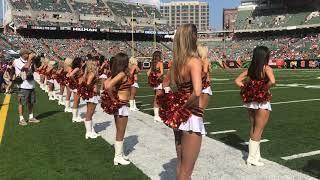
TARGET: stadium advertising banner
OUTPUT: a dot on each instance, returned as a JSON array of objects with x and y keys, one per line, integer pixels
[
  {"x": 51, "y": 28},
  {"x": 82, "y": 29}
]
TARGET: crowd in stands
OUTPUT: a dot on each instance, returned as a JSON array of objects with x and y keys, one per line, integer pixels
[
  {"x": 97, "y": 8},
  {"x": 275, "y": 18}
]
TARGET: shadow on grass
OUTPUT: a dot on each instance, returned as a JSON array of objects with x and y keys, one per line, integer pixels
[
  {"x": 169, "y": 172},
  {"x": 234, "y": 140},
  {"x": 101, "y": 126},
  {"x": 130, "y": 143},
  {"x": 47, "y": 114},
  {"x": 313, "y": 167}
]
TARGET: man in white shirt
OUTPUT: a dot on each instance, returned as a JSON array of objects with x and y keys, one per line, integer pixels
[{"x": 26, "y": 94}]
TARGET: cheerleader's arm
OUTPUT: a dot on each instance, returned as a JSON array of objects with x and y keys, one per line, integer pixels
[
  {"x": 90, "y": 78},
  {"x": 239, "y": 80},
  {"x": 73, "y": 72},
  {"x": 270, "y": 75},
  {"x": 110, "y": 83}
]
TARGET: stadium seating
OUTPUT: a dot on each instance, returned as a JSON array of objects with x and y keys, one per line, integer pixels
[
  {"x": 50, "y": 5},
  {"x": 92, "y": 8},
  {"x": 150, "y": 10},
  {"x": 19, "y": 4}
]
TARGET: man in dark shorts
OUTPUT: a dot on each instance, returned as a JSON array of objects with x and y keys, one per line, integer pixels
[{"x": 26, "y": 95}]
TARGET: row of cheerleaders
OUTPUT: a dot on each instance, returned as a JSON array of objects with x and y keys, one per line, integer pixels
[{"x": 114, "y": 83}]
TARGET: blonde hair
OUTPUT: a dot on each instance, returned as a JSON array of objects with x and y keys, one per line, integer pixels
[
  {"x": 68, "y": 62},
  {"x": 133, "y": 61},
  {"x": 91, "y": 67},
  {"x": 184, "y": 48},
  {"x": 45, "y": 62},
  {"x": 203, "y": 52}
]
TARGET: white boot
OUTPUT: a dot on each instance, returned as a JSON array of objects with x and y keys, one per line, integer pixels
[
  {"x": 50, "y": 94},
  {"x": 67, "y": 107},
  {"x": 135, "y": 105},
  {"x": 118, "y": 156},
  {"x": 55, "y": 96},
  {"x": 252, "y": 157},
  {"x": 156, "y": 115},
  {"x": 60, "y": 98},
  {"x": 131, "y": 105},
  {"x": 75, "y": 115},
  {"x": 89, "y": 133},
  {"x": 258, "y": 154}
]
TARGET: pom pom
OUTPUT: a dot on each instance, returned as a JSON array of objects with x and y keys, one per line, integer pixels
[
  {"x": 171, "y": 108},
  {"x": 255, "y": 91},
  {"x": 109, "y": 105},
  {"x": 72, "y": 83},
  {"x": 86, "y": 91},
  {"x": 154, "y": 80},
  {"x": 205, "y": 82}
]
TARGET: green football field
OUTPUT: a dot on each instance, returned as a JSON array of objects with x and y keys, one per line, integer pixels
[
  {"x": 56, "y": 148},
  {"x": 294, "y": 125}
]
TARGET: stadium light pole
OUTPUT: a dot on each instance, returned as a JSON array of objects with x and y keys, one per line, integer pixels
[
  {"x": 155, "y": 32},
  {"x": 132, "y": 40}
]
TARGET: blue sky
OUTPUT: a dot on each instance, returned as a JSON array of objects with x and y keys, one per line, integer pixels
[{"x": 216, "y": 9}]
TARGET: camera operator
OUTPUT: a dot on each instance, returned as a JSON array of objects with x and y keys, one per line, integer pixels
[{"x": 24, "y": 68}]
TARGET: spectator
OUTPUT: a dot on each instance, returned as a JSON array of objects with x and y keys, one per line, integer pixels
[{"x": 26, "y": 95}]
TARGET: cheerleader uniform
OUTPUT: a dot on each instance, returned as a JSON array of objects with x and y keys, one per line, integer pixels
[
  {"x": 116, "y": 107},
  {"x": 87, "y": 93},
  {"x": 174, "y": 115},
  {"x": 256, "y": 95},
  {"x": 73, "y": 82},
  {"x": 206, "y": 85},
  {"x": 154, "y": 80},
  {"x": 135, "y": 84}
]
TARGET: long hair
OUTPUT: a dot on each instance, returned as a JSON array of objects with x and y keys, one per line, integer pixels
[
  {"x": 203, "y": 52},
  {"x": 91, "y": 67},
  {"x": 68, "y": 62},
  {"x": 76, "y": 63},
  {"x": 156, "y": 57},
  {"x": 184, "y": 48},
  {"x": 120, "y": 63},
  {"x": 260, "y": 58}
]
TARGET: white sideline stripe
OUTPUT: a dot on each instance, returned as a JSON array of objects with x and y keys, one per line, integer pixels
[
  {"x": 206, "y": 123},
  {"x": 139, "y": 102},
  {"x": 223, "y": 132},
  {"x": 262, "y": 141},
  {"x": 147, "y": 109},
  {"x": 284, "y": 102},
  {"x": 301, "y": 155},
  {"x": 238, "y": 90},
  {"x": 145, "y": 105}
]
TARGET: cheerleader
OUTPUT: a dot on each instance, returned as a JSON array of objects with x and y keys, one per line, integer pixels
[
  {"x": 206, "y": 88},
  {"x": 104, "y": 70},
  {"x": 134, "y": 70},
  {"x": 61, "y": 77},
  {"x": 42, "y": 72},
  {"x": 50, "y": 75},
  {"x": 114, "y": 101},
  {"x": 255, "y": 84},
  {"x": 182, "y": 110},
  {"x": 73, "y": 82},
  {"x": 89, "y": 91},
  {"x": 155, "y": 80},
  {"x": 67, "y": 70}
]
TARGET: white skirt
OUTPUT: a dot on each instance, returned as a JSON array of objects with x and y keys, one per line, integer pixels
[
  {"x": 207, "y": 91},
  {"x": 194, "y": 124},
  {"x": 50, "y": 81},
  {"x": 159, "y": 87},
  {"x": 123, "y": 111},
  {"x": 256, "y": 105},
  {"x": 136, "y": 85},
  {"x": 94, "y": 99},
  {"x": 103, "y": 76}
]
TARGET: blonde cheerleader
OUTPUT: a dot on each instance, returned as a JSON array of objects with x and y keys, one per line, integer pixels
[{"x": 134, "y": 70}]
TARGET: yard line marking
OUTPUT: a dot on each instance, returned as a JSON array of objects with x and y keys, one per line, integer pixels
[
  {"x": 216, "y": 79},
  {"x": 139, "y": 102},
  {"x": 4, "y": 113},
  {"x": 147, "y": 109},
  {"x": 284, "y": 102},
  {"x": 145, "y": 96},
  {"x": 145, "y": 105},
  {"x": 261, "y": 141},
  {"x": 238, "y": 90},
  {"x": 223, "y": 132},
  {"x": 301, "y": 155},
  {"x": 206, "y": 123}
]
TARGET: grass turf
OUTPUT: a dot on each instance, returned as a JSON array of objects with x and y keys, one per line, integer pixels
[
  {"x": 56, "y": 148},
  {"x": 293, "y": 128}
]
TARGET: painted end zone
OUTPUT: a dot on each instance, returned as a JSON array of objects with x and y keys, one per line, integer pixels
[{"x": 4, "y": 112}]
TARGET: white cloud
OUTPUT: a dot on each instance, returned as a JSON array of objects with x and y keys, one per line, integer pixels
[{"x": 152, "y": 2}]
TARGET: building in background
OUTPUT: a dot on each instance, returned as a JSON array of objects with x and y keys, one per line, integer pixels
[
  {"x": 184, "y": 12},
  {"x": 229, "y": 19}
]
